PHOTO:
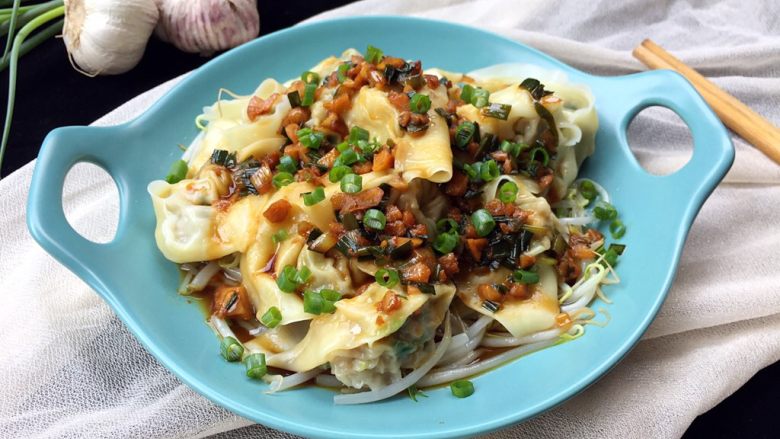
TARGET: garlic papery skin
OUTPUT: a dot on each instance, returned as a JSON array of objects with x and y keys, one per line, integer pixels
[
  {"x": 108, "y": 37},
  {"x": 206, "y": 26}
]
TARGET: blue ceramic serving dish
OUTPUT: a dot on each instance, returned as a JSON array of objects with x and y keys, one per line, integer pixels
[{"x": 135, "y": 279}]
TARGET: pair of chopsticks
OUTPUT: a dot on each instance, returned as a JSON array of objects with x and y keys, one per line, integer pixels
[{"x": 750, "y": 125}]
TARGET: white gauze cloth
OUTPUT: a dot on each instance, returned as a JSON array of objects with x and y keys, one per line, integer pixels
[{"x": 71, "y": 369}]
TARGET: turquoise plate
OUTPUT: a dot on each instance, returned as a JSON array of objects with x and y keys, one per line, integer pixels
[{"x": 134, "y": 278}]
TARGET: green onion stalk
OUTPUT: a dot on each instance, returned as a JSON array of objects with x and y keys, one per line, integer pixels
[{"x": 18, "y": 48}]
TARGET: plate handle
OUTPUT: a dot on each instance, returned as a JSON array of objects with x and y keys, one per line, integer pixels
[
  {"x": 61, "y": 150},
  {"x": 713, "y": 151}
]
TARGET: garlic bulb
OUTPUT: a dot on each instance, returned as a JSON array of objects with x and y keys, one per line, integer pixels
[
  {"x": 206, "y": 26},
  {"x": 108, "y": 37}
]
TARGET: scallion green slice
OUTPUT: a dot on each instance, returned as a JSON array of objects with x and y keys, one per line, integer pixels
[
  {"x": 462, "y": 388},
  {"x": 507, "y": 193},
  {"x": 617, "y": 229},
  {"x": 286, "y": 281},
  {"x": 351, "y": 184},
  {"x": 446, "y": 225},
  {"x": 282, "y": 179},
  {"x": 314, "y": 197},
  {"x": 177, "y": 172},
  {"x": 420, "y": 103},
  {"x": 605, "y": 211},
  {"x": 387, "y": 278},
  {"x": 279, "y": 236},
  {"x": 446, "y": 242},
  {"x": 545, "y": 156},
  {"x": 308, "y": 94},
  {"x": 255, "y": 366},
  {"x": 483, "y": 222},
  {"x": 525, "y": 277},
  {"x": 374, "y": 219},
  {"x": 489, "y": 170},
  {"x": 588, "y": 190},
  {"x": 356, "y": 134},
  {"x": 287, "y": 164},
  {"x": 373, "y": 54},
  {"x": 271, "y": 318},
  {"x": 231, "y": 349},
  {"x": 338, "y": 172},
  {"x": 309, "y": 138},
  {"x": 310, "y": 77},
  {"x": 464, "y": 134}
]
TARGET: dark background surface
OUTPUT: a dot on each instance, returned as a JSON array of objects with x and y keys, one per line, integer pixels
[{"x": 50, "y": 94}]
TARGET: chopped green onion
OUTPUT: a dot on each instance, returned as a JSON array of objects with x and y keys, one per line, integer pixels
[
  {"x": 446, "y": 242},
  {"x": 280, "y": 236},
  {"x": 483, "y": 222},
  {"x": 545, "y": 155},
  {"x": 356, "y": 134},
  {"x": 588, "y": 190},
  {"x": 446, "y": 225},
  {"x": 341, "y": 147},
  {"x": 319, "y": 302},
  {"x": 605, "y": 211},
  {"x": 303, "y": 275},
  {"x": 480, "y": 97},
  {"x": 286, "y": 281},
  {"x": 497, "y": 111},
  {"x": 351, "y": 184},
  {"x": 271, "y": 318},
  {"x": 255, "y": 366},
  {"x": 282, "y": 179},
  {"x": 347, "y": 157},
  {"x": 618, "y": 248},
  {"x": 295, "y": 98},
  {"x": 420, "y": 103},
  {"x": 341, "y": 72},
  {"x": 466, "y": 93},
  {"x": 387, "y": 278},
  {"x": 308, "y": 94},
  {"x": 414, "y": 392},
  {"x": 287, "y": 164},
  {"x": 314, "y": 197},
  {"x": 310, "y": 77},
  {"x": 525, "y": 277},
  {"x": 473, "y": 171},
  {"x": 309, "y": 138},
  {"x": 462, "y": 388},
  {"x": 338, "y": 172},
  {"x": 507, "y": 193},
  {"x": 489, "y": 171},
  {"x": 231, "y": 349},
  {"x": 513, "y": 149},
  {"x": 611, "y": 257},
  {"x": 617, "y": 229},
  {"x": 312, "y": 302},
  {"x": 373, "y": 54},
  {"x": 330, "y": 295},
  {"x": 464, "y": 134},
  {"x": 375, "y": 219},
  {"x": 177, "y": 172}
]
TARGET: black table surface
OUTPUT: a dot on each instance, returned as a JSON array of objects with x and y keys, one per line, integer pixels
[{"x": 50, "y": 94}]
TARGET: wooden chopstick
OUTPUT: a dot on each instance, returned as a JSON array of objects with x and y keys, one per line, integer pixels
[{"x": 750, "y": 125}]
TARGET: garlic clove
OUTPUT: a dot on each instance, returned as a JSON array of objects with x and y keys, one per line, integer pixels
[
  {"x": 108, "y": 37},
  {"x": 207, "y": 26}
]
